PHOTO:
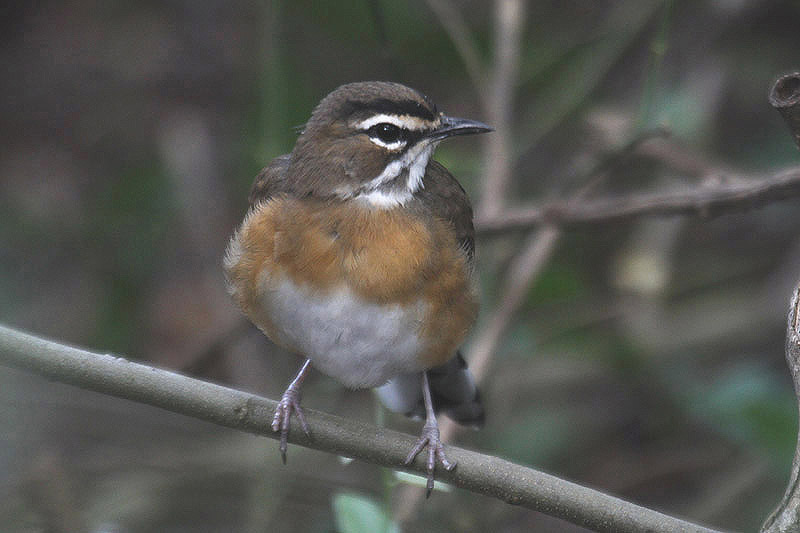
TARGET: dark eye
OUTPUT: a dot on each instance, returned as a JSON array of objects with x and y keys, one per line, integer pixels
[{"x": 386, "y": 132}]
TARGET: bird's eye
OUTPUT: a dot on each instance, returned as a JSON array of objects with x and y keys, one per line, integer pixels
[{"x": 388, "y": 133}]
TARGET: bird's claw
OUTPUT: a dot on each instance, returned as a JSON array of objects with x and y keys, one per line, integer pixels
[
  {"x": 430, "y": 438},
  {"x": 290, "y": 401}
]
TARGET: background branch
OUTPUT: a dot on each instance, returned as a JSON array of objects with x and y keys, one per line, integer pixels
[
  {"x": 522, "y": 272},
  {"x": 538, "y": 247},
  {"x": 453, "y": 23},
  {"x": 509, "y": 17},
  {"x": 532, "y": 258},
  {"x": 479, "y": 473},
  {"x": 704, "y": 200},
  {"x": 785, "y": 97}
]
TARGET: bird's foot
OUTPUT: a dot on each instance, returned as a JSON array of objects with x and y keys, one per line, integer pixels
[
  {"x": 430, "y": 438},
  {"x": 290, "y": 401}
]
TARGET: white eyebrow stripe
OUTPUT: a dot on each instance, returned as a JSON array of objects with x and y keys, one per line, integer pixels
[{"x": 408, "y": 122}]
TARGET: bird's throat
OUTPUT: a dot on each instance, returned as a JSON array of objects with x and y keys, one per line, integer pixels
[{"x": 400, "y": 180}]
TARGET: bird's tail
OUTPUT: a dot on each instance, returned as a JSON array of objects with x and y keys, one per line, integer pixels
[{"x": 453, "y": 391}]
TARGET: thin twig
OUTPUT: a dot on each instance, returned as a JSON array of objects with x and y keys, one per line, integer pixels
[
  {"x": 524, "y": 269},
  {"x": 479, "y": 473},
  {"x": 456, "y": 28},
  {"x": 658, "y": 49},
  {"x": 498, "y": 103},
  {"x": 509, "y": 18},
  {"x": 703, "y": 200},
  {"x": 681, "y": 158}
]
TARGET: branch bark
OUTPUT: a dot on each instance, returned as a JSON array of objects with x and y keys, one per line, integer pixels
[
  {"x": 479, "y": 473},
  {"x": 786, "y": 517},
  {"x": 785, "y": 97},
  {"x": 707, "y": 201}
]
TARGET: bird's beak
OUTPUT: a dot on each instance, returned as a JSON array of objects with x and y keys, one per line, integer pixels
[{"x": 450, "y": 126}]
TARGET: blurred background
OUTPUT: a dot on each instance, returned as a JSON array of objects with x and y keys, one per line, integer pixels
[{"x": 645, "y": 358}]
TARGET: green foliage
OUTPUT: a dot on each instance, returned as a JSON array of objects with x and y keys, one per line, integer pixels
[
  {"x": 749, "y": 403},
  {"x": 540, "y": 435},
  {"x": 133, "y": 220},
  {"x": 354, "y": 513},
  {"x": 557, "y": 283}
]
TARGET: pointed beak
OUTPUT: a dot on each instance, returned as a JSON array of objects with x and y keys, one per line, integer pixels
[{"x": 451, "y": 126}]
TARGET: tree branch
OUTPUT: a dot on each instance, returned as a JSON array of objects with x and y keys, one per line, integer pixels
[
  {"x": 707, "y": 201},
  {"x": 456, "y": 28},
  {"x": 509, "y": 18},
  {"x": 786, "y": 517},
  {"x": 785, "y": 97},
  {"x": 526, "y": 265},
  {"x": 479, "y": 473},
  {"x": 521, "y": 273}
]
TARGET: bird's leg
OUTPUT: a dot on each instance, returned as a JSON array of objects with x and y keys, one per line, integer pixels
[
  {"x": 430, "y": 438},
  {"x": 290, "y": 401}
]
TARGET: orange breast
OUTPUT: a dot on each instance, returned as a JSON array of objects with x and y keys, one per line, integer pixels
[{"x": 383, "y": 256}]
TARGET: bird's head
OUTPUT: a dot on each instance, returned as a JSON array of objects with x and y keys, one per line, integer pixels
[{"x": 371, "y": 141}]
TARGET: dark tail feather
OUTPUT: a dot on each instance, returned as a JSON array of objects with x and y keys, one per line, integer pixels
[{"x": 453, "y": 391}]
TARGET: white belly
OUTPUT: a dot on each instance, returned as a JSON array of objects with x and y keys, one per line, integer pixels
[{"x": 359, "y": 343}]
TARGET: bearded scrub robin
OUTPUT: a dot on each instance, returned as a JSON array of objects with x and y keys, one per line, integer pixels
[{"x": 357, "y": 253}]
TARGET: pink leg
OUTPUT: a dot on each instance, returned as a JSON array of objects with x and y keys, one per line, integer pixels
[
  {"x": 430, "y": 438},
  {"x": 290, "y": 401}
]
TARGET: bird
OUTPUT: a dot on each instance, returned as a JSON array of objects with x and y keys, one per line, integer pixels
[{"x": 357, "y": 253}]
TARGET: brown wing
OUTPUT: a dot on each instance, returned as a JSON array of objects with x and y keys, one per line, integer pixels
[
  {"x": 444, "y": 197},
  {"x": 270, "y": 181}
]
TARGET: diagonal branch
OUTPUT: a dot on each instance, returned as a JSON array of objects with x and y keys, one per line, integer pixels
[
  {"x": 479, "y": 473},
  {"x": 456, "y": 28},
  {"x": 526, "y": 266},
  {"x": 704, "y": 200}
]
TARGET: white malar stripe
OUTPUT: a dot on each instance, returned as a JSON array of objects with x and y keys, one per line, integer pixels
[
  {"x": 408, "y": 122},
  {"x": 417, "y": 169},
  {"x": 416, "y": 161}
]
